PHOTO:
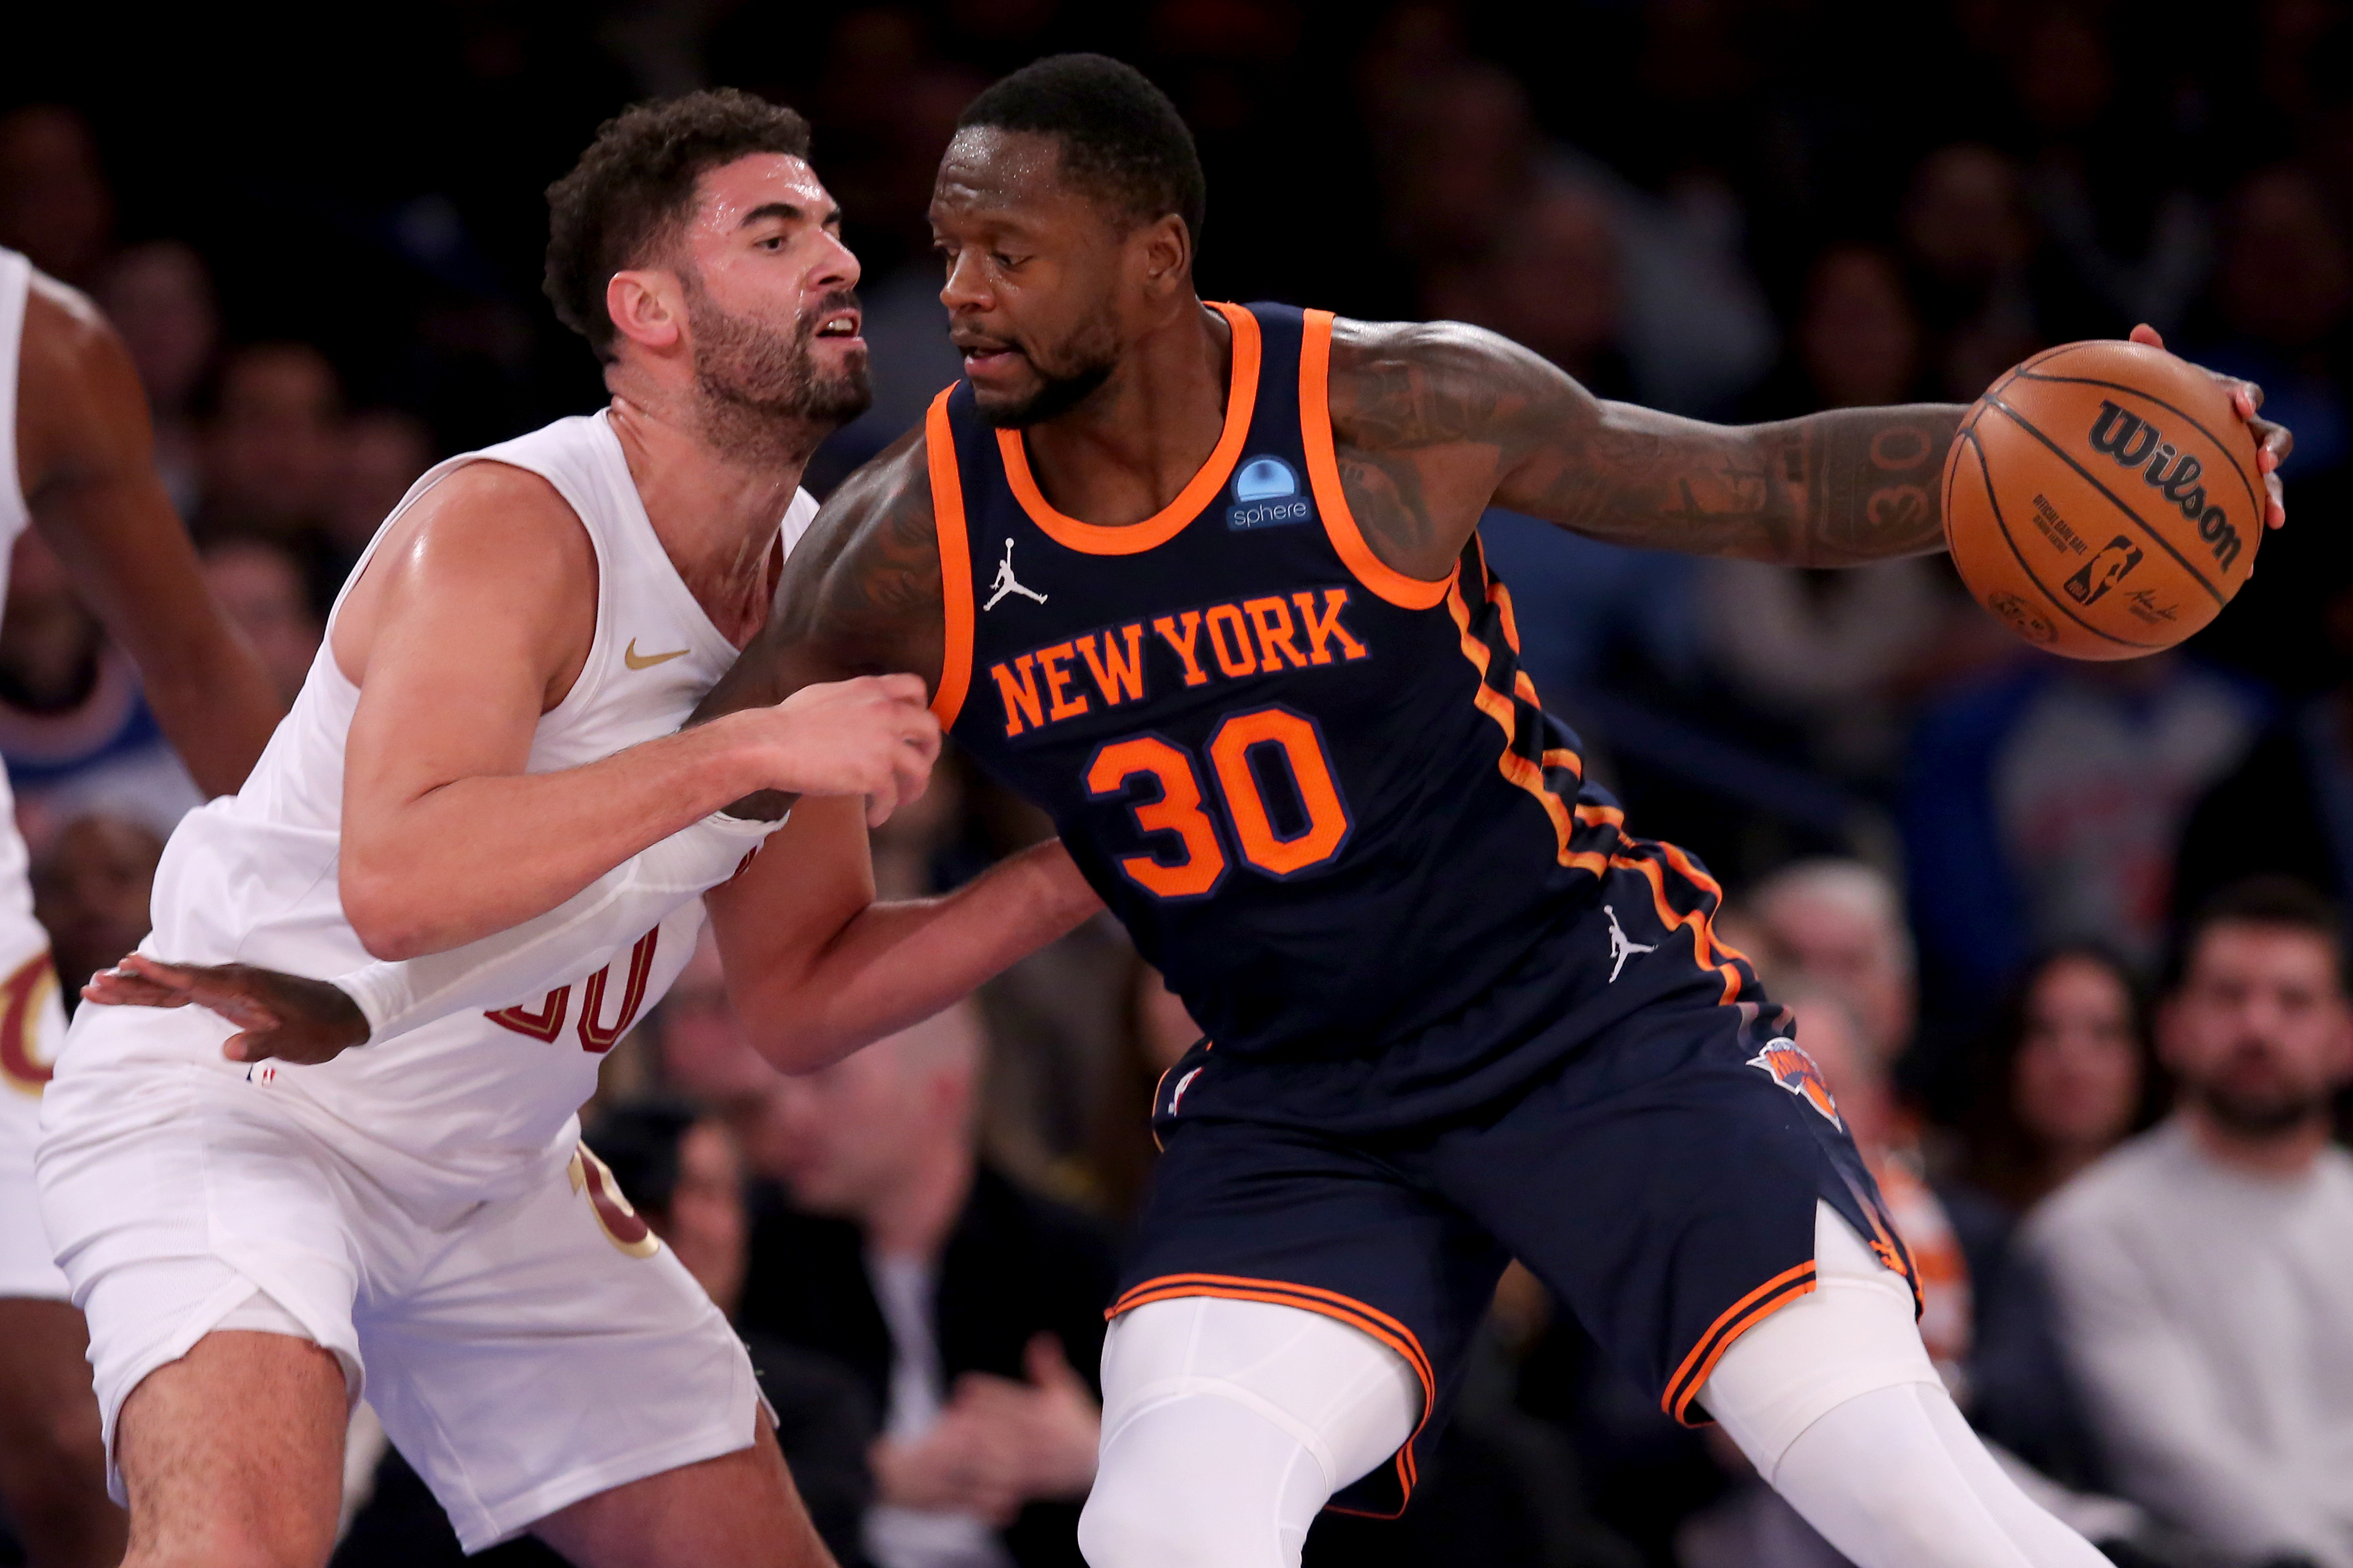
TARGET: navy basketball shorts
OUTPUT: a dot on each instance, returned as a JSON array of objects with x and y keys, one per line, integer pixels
[{"x": 1661, "y": 1182}]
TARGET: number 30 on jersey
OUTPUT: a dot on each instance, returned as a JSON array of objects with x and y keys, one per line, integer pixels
[{"x": 1162, "y": 783}]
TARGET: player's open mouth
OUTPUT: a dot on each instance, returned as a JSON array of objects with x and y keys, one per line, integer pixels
[
  {"x": 840, "y": 327},
  {"x": 982, "y": 358}
]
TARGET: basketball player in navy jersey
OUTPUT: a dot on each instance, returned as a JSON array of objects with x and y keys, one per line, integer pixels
[{"x": 1204, "y": 583}]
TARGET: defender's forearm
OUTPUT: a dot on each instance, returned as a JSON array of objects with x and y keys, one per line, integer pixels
[{"x": 807, "y": 1003}]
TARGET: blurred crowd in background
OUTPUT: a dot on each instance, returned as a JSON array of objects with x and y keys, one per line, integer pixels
[{"x": 322, "y": 243}]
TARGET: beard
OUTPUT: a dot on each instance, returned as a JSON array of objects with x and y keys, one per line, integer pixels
[
  {"x": 1093, "y": 355},
  {"x": 2260, "y": 1113},
  {"x": 762, "y": 388}
]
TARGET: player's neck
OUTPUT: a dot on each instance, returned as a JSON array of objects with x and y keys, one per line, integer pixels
[
  {"x": 1126, "y": 451},
  {"x": 715, "y": 503}
]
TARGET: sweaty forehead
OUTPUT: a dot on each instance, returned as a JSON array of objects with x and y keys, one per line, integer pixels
[
  {"x": 727, "y": 196},
  {"x": 988, "y": 168}
]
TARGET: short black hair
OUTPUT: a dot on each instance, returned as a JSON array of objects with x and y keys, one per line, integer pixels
[
  {"x": 1121, "y": 136},
  {"x": 635, "y": 185},
  {"x": 2270, "y": 899}
]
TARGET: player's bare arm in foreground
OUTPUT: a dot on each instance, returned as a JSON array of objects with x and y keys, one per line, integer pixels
[{"x": 86, "y": 453}]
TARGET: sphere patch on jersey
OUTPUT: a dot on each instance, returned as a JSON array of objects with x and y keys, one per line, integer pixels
[
  {"x": 1267, "y": 495},
  {"x": 1785, "y": 1064}
]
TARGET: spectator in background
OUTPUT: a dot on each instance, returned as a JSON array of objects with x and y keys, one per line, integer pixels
[
  {"x": 1969, "y": 244},
  {"x": 272, "y": 449},
  {"x": 2284, "y": 296},
  {"x": 2296, "y": 780},
  {"x": 1839, "y": 923},
  {"x": 682, "y": 1171},
  {"x": 2203, "y": 1269},
  {"x": 972, "y": 1310},
  {"x": 2045, "y": 805},
  {"x": 383, "y": 451},
  {"x": 160, "y": 298},
  {"x": 55, "y": 205},
  {"x": 260, "y": 584},
  {"x": 90, "y": 888},
  {"x": 1838, "y": 652},
  {"x": 2069, "y": 1072},
  {"x": 75, "y": 730}
]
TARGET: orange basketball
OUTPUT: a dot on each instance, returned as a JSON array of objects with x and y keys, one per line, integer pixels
[{"x": 2103, "y": 500}]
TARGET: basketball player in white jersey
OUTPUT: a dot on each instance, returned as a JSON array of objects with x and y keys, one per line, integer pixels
[
  {"x": 77, "y": 463},
  {"x": 487, "y": 732}
]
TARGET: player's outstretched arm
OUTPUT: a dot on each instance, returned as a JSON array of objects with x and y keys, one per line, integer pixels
[
  {"x": 472, "y": 620},
  {"x": 1436, "y": 421},
  {"x": 86, "y": 452}
]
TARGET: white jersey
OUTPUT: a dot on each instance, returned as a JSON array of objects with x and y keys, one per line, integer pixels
[
  {"x": 24, "y": 947},
  {"x": 478, "y": 1104}
]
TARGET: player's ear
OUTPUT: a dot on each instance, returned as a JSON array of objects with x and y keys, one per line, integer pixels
[
  {"x": 1165, "y": 251},
  {"x": 647, "y": 307}
]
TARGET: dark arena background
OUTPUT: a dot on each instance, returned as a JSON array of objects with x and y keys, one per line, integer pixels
[{"x": 320, "y": 231}]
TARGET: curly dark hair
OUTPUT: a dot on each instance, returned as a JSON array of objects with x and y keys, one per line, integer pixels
[
  {"x": 1121, "y": 136},
  {"x": 634, "y": 188}
]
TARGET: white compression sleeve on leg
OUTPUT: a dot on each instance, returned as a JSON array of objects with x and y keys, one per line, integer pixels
[
  {"x": 533, "y": 958},
  {"x": 1834, "y": 1400},
  {"x": 1228, "y": 1424}
]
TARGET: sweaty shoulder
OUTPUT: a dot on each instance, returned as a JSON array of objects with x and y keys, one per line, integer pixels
[
  {"x": 491, "y": 548},
  {"x": 80, "y": 413}
]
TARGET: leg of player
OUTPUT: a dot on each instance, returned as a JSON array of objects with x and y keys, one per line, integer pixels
[
  {"x": 739, "y": 1509},
  {"x": 1228, "y": 1424},
  {"x": 52, "y": 1471},
  {"x": 1833, "y": 1400},
  {"x": 233, "y": 1455}
]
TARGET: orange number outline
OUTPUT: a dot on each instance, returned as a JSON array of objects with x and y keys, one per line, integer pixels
[
  {"x": 1178, "y": 810},
  {"x": 1329, "y": 826}
]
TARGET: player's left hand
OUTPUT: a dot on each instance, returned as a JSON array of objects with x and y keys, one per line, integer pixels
[
  {"x": 2274, "y": 441},
  {"x": 285, "y": 1017}
]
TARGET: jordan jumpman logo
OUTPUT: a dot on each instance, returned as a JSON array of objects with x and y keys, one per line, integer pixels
[
  {"x": 1620, "y": 950},
  {"x": 1008, "y": 584}
]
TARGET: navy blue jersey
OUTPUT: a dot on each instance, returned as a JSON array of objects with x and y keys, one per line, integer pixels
[{"x": 1321, "y": 794}]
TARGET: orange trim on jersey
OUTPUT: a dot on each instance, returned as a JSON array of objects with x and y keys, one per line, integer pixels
[
  {"x": 1327, "y": 1303},
  {"x": 1736, "y": 1321},
  {"x": 1324, "y": 479},
  {"x": 1704, "y": 947},
  {"x": 955, "y": 563},
  {"x": 1133, "y": 539},
  {"x": 1514, "y": 767}
]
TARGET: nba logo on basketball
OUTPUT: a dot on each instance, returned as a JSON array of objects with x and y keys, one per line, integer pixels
[
  {"x": 2101, "y": 572},
  {"x": 1793, "y": 1069}
]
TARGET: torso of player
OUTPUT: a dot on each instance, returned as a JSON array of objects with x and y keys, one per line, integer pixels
[
  {"x": 27, "y": 983},
  {"x": 470, "y": 1099},
  {"x": 1320, "y": 794}
]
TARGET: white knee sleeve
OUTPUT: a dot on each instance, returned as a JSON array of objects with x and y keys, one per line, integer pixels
[
  {"x": 1834, "y": 1400},
  {"x": 1228, "y": 1424},
  {"x": 1853, "y": 1332}
]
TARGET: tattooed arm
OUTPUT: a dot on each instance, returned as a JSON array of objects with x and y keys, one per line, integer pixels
[{"x": 1435, "y": 422}]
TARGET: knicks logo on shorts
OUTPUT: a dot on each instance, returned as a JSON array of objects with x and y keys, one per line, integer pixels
[
  {"x": 623, "y": 1226},
  {"x": 1793, "y": 1069}
]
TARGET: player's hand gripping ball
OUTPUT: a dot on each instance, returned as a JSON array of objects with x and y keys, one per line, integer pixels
[{"x": 2106, "y": 500}]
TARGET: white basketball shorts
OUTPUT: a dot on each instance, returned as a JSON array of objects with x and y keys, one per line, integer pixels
[
  {"x": 538, "y": 1350},
  {"x": 32, "y": 1028}
]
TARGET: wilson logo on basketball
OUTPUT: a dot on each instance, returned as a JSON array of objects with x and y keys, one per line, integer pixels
[{"x": 2134, "y": 443}]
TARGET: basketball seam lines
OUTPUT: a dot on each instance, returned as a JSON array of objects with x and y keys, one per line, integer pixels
[
  {"x": 2088, "y": 477},
  {"x": 2001, "y": 526},
  {"x": 2219, "y": 445}
]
